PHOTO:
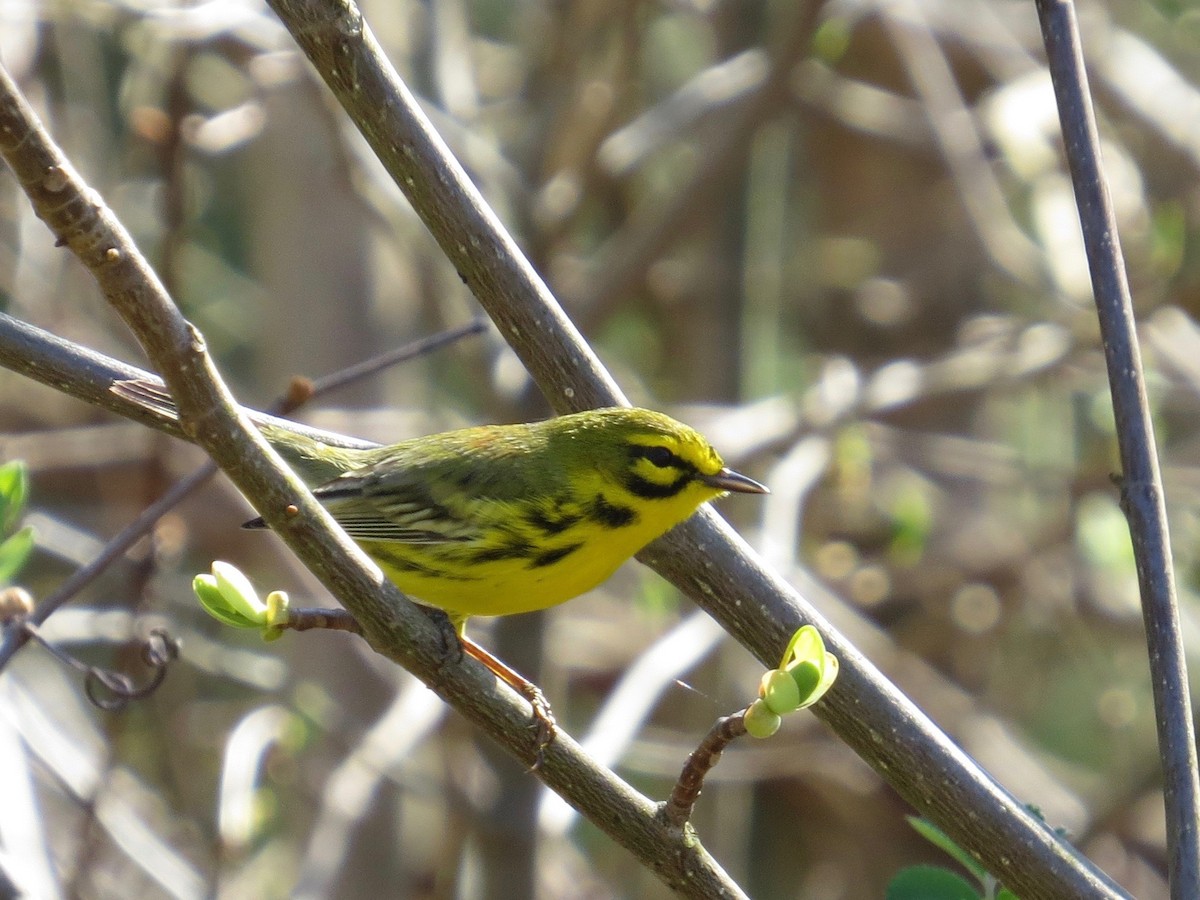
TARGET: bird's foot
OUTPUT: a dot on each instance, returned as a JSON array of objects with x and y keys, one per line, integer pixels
[
  {"x": 448, "y": 636},
  {"x": 543, "y": 722},
  {"x": 543, "y": 718}
]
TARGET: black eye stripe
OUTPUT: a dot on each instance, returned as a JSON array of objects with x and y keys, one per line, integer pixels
[{"x": 660, "y": 456}]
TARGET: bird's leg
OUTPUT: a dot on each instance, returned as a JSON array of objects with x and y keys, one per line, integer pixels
[
  {"x": 455, "y": 643},
  {"x": 542, "y": 715}
]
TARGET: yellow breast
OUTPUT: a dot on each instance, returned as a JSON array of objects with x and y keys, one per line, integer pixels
[{"x": 524, "y": 567}]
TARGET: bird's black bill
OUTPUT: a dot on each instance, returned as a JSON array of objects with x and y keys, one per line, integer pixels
[{"x": 729, "y": 480}]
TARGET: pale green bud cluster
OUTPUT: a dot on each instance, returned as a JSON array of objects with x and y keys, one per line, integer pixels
[
  {"x": 805, "y": 673},
  {"x": 228, "y": 596}
]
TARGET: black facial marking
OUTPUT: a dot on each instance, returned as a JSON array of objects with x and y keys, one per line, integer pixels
[
  {"x": 649, "y": 490},
  {"x": 611, "y": 515},
  {"x": 660, "y": 456}
]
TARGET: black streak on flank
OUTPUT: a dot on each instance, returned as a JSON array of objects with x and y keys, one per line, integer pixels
[
  {"x": 611, "y": 515},
  {"x": 514, "y": 550},
  {"x": 401, "y": 564},
  {"x": 551, "y": 524},
  {"x": 550, "y": 557}
]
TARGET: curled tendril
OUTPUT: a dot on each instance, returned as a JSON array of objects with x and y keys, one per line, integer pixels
[{"x": 111, "y": 690}]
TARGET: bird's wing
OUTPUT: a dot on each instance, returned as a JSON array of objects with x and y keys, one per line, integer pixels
[
  {"x": 403, "y": 511},
  {"x": 462, "y": 494}
]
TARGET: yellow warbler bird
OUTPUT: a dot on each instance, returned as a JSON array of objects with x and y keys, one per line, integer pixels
[{"x": 502, "y": 519}]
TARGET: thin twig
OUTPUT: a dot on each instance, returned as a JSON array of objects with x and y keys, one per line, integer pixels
[
  {"x": 381, "y": 361},
  {"x": 1141, "y": 483},
  {"x": 89, "y": 376},
  {"x": 678, "y": 808},
  {"x": 106, "y": 688},
  {"x": 305, "y": 619}
]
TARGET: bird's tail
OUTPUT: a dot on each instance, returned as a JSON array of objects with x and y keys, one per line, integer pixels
[
  {"x": 149, "y": 395},
  {"x": 316, "y": 456}
]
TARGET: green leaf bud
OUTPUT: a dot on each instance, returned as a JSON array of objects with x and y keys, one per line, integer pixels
[
  {"x": 238, "y": 592},
  {"x": 14, "y": 552},
  {"x": 828, "y": 677},
  {"x": 760, "y": 721},
  {"x": 214, "y": 603},
  {"x": 277, "y": 615},
  {"x": 778, "y": 690}
]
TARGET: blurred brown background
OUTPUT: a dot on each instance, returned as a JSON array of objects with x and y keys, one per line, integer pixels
[{"x": 836, "y": 237}]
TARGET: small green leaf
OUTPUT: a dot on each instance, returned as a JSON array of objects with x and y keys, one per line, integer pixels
[
  {"x": 813, "y": 668},
  {"x": 929, "y": 883},
  {"x": 1005, "y": 894},
  {"x": 806, "y": 644},
  {"x": 238, "y": 592},
  {"x": 806, "y": 676},
  {"x": 14, "y": 488},
  {"x": 828, "y": 677},
  {"x": 14, "y": 552},
  {"x": 215, "y": 604},
  {"x": 944, "y": 842}
]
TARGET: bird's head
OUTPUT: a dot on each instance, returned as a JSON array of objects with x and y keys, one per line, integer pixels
[{"x": 648, "y": 455}]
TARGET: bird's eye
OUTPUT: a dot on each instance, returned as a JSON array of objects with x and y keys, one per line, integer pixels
[{"x": 660, "y": 456}]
